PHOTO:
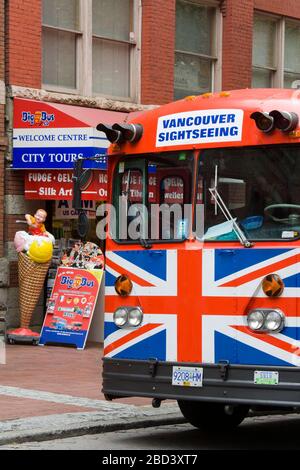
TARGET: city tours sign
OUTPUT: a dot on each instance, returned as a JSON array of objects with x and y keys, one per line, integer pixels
[{"x": 53, "y": 135}]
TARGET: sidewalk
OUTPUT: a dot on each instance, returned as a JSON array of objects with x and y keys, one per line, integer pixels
[{"x": 51, "y": 391}]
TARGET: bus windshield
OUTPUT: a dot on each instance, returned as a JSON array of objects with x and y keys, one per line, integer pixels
[
  {"x": 152, "y": 195},
  {"x": 260, "y": 187}
]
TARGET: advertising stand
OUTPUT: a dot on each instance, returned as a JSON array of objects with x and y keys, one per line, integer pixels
[{"x": 72, "y": 302}]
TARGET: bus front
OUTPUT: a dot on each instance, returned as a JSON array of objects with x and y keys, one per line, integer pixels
[{"x": 202, "y": 255}]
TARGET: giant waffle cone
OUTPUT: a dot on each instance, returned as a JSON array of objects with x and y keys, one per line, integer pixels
[{"x": 31, "y": 280}]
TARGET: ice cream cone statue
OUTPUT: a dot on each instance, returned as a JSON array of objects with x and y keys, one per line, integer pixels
[{"x": 35, "y": 250}]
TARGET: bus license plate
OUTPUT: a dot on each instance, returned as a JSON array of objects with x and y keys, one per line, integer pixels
[
  {"x": 187, "y": 376},
  {"x": 266, "y": 377}
]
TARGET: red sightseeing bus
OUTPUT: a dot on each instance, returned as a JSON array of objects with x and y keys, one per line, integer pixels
[{"x": 203, "y": 255}]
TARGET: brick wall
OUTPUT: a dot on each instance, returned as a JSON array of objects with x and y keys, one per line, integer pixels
[
  {"x": 14, "y": 191},
  {"x": 24, "y": 34},
  {"x": 14, "y": 182},
  {"x": 278, "y": 7},
  {"x": 14, "y": 186},
  {"x": 237, "y": 44},
  {"x": 2, "y": 122},
  {"x": 158, "y": 43},
  {"x": 2, "y": 31},
  {"x": 23, "y": 68}
]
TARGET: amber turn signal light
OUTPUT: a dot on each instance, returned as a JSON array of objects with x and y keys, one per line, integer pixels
[
  {"x": 273, "y": 285},
  {"x": 123, "y": 285}
]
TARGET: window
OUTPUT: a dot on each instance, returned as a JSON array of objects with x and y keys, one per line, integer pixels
[
  {"x": 152, "y": 196},
  {"x": 60, "y": 34},
  {"x": 264, "y": 60},
  {"x": 291, "y": 54},
  {"x": 197, "y": 48},
  {"x": 260, "y": 187},
  {"x": 90, "y": 47},
  {"x": 275, "y": 58},
  {"x": 112, "y": 46}
]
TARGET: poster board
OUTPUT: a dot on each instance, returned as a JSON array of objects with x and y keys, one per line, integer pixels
[{"x": 71, "y": 306}]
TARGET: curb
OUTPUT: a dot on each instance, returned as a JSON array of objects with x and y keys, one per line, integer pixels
[{"x": 41, "y": 428}]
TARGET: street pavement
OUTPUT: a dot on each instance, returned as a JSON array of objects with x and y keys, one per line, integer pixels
[{"x": 48, "y": 392}]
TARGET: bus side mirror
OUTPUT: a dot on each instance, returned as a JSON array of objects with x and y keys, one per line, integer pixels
[
  {"x": 81, "y": 180},
  {"x": 83, "y": 224}
]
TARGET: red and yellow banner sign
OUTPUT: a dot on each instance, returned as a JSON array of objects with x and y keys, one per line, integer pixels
[{"x": 58, "y": 185}]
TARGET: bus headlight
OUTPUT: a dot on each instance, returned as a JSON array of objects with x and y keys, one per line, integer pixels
[
  {"x": 266, "y": 320},
  {"x": 120, "y": 316},
  {"x": 255, "y": 320},
  {"x": 135, "y": 316},
  {"x": 128, "y": 316},
  {"x": 274, "y": 321}
]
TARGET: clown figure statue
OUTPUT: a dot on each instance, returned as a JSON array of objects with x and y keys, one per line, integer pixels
[
  {"x": 35, "y": 249},
  {"x": 36, "y": 223}
]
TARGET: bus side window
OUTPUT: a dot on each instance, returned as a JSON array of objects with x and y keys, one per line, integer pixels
[
  {"x": 172, "y": 190},
  {"x": 132, "y": 186},
  {"x": 199, "y": 197},
  {"x": 131, "y": 193}
]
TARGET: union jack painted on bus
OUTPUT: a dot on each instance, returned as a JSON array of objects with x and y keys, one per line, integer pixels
[
  {"x": 155, "y": 338},
  {"x": 235, "y": 269},
  {"x": 153, "y": 274},
  {"x": 228, "y": 338},
  {"x": 235, "y": 276},
  {"x": 226, "y": 286}
]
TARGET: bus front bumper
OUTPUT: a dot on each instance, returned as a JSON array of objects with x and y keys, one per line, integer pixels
[{"x": 222, "y": 382}]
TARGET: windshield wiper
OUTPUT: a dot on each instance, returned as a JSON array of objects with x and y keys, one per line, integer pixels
[
  {"x": 222, "y": 206},
  {"x": 145, "y": 243}
]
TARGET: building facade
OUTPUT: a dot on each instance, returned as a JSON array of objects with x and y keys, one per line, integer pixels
[{"x": 99, "y": 60}]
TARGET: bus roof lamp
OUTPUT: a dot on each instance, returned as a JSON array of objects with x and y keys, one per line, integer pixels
[
  {"x": 130, "y": 132},
  {"x": 264, "y": 122},
  {"x": 114, "y": 136},
  {"x": 284, "y": 120}
]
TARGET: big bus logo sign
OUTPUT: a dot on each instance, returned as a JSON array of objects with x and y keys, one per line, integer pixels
[
  {"x": 38, "y": 118},
  {"x": 76, "y": 282}
]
